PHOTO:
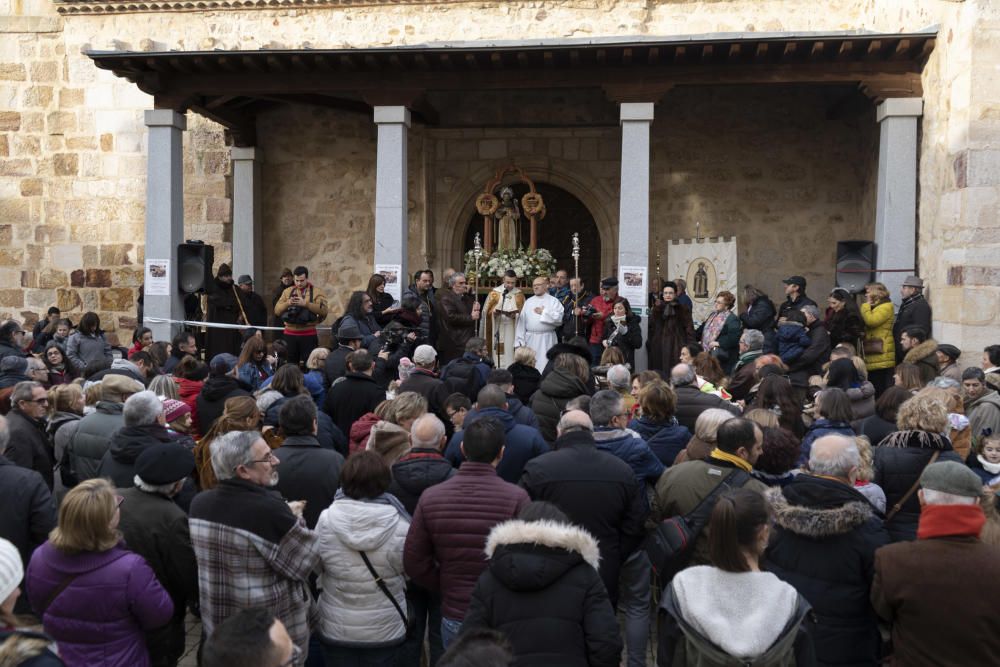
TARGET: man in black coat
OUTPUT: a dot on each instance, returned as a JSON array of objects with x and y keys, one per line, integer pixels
[
  {"x": 795, "y": 295},
  {"x": 348, "y": 340},
  {"x": 29, "y": 446},
  {"x": 145, "y": 427},
  {"x": 223, "y": 308},
  {"x": 156, "y": 528},
  {"x": 253, "y": 305},
  {"x": 913, "y": 311},
  {"x": 596, "y": 489},
  {"x": 221, "y": 385},
  {"x": 691, "y": 401},
  {"x": 823, "y": 543},
  {"x": 356, "y": 395},
  {"x": 424, "y": 381},
  {"x": 28, "y": 510},
  {"x": 811, "y": 361},
  {"x": 309, "y": 472}
]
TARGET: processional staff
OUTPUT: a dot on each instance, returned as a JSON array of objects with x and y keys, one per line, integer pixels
[{"x": 576, "y": 274}]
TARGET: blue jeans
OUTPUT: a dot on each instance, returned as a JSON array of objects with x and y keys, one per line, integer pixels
[
  {"x": 634, "y": 599},
  {"x": 449, "y": 630}
]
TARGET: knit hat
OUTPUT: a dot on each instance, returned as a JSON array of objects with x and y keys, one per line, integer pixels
[
  {"x": 164, "y": 463},
  {"x": 174, "y": 409},
  {"x": 11, "y": 569},
  {"x": 388, "y": 441},
  {"x": 952, "y": 477},
  {"x": 14, "y": 365},
  {"x": 114, "y": 386}
]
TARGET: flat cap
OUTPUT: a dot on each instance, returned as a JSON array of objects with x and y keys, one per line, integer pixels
[{"x": 952, "y": 477}]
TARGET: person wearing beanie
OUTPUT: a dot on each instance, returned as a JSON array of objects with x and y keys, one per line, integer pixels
[
  {"x": 941, "y": 614},
  {"x": 19, "y": 646},
  {"x": 156, "y": 528},
  {"x": 177, "y": 415}
]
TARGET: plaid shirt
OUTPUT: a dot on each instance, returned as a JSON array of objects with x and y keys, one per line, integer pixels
[{"x": 240, "y": 569}]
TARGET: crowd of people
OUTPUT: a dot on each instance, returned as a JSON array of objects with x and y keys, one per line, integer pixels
[{"x": 462, "y": 484}]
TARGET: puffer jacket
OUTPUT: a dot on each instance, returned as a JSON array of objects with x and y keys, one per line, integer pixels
[
  {"x": 899, "y": 461},
  {"x": 760, "y": 316},
  {"x": 211, "y": 401},
  {"x": 126, "y": 445},
  {"x": 353, "y": 609},
  {"x": 444, "y": 548},
  {"x": 984, "y": 415},
  {"x": 556, "y": 390},
  {"x": 360, "y": 430},
  {"x": 521, "y": 413},
  {"x": 415, "y": 472},
  {"x": 83, "y": 350},
  {"x": 862, "y": 400},
  {"x": 666, "y": 439},
  {"x": 522, "y": 443},
  {"x": 634, "y": 451},
  {"x": 93, "y": 437},
  {"x": 878, "y": 324},
  {"x": 542, "y": 591},
  {"x": 823, "y": 543},
  {"x": 818, "y": 429},
  {"x": 100, "y": 616}
]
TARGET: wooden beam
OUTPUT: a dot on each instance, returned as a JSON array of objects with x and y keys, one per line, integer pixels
[
  {"x": 706, "y": 53},
  {"x": 653, "y": 56}
]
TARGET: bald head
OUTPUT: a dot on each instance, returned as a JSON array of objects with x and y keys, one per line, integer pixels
[
  {"x": 682, "y": 375},
  {"x": 427, "y": 432},
  {"x": 835, "y": 456},
  {"x": 575, "y": 420}
]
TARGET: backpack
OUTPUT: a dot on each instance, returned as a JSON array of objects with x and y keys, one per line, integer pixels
[{"x": 461, "y": 376}]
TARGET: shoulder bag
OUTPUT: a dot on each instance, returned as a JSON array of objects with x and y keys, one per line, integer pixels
[
  {"x": 902, "y": 501},
  {"x": 409, "y": 618}
]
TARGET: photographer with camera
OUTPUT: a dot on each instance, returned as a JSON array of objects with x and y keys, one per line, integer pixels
[
  {"x": 301, "y": 307},
  {"x": 577, "y": 311}
]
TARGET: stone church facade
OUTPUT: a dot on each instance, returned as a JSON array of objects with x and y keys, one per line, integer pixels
[{"x": 343, "y": 133}]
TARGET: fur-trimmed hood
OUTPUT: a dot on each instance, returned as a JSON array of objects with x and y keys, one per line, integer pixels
[
  {"x": 817, "y": 508},
  {"x": 922, "y": 351},
  {"x": 532, "y": 555}
]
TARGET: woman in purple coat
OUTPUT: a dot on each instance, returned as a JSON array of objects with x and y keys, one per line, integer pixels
[{"x": 95, "y": 598}]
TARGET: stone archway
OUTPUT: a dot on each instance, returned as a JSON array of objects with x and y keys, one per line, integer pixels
[{"x": 565, "y": 215}]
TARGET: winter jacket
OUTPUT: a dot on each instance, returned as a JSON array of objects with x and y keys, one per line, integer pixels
[
  {"x": 899, "y": 461},
  {"x": 670, "y": 329},
  {"x": 743, "y": 378},
  {"x": 25, "y": 648},
  {"x": 327, "y": 433},
  {"x": 121, "y": 367},
  {"x": 878, "y": 325},
  {"x": 862, "y": 400},
  {"x": 760, "y": 315},
  {"x": 713, "y": 618},
  {"x": 315, "y": 303},
  {"x": 913, "y": 310},
  {"x": 308, "y": 472},
  {"x": 29, "y": 446},
  {"x": 118, "y": 463},
  {"x": 187, "y": 392},
  {"x": 845, "y": 326},
  {"x": 211, "y": 402},
  {"x": 467, "y": 375},
  {"x": 823, "y": 543},
  {"x": 29, "y": 512},
  {"x": 984, "y": 415},
  {"x": 598, "y": 492},
  {"x": 691, "y": 402},
  {"x": 336, "y": 364},
  {"x": 85, "y": 351},
  {"x": 522, "y": 443},
  {"x": 665, "y": 439},
  {"x": 93, "y": 437},
  {"x": 354, "y": 611},
  {"x": 252, "y": 552},
  {"x": 110, "y": 634},
  {"x": 8, "y": 349},
  {"x": 348, "y": 400},
  {"x": 924, "y": 357},
  {"x": 368, "y": 326},
  {"x": 360, "y": 430},
  {"x": 606, "y": 308},
  {"x": 521, "y": 413},
  {"x": 526, "y": 381},
  {"x": 542, "y": 590},
  {"x": 444, "y": 548},
  {"x": 818, "y": 429},
  {"x": 415, "y": 472},
  {"x": 788, "y": 305},
  {"x": 454, "y": 323},
  {"x": 728, "y": 340},
  {"x": 793, "y": 340},
  {"x": 626, "y": 336},
  {"x": 634, "y": 451},
  {"x": 556, "y": 390},
  {"x": 811, "y": 361},
  {"x": 874, "y": 427},
  {"x": 253, "y": 375},
  {"x": 427, "y": 384},
  {"x": 155, "y": 528}
]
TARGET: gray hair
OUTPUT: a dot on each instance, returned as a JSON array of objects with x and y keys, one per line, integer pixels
[
  {"x": 232, "y": 450},
  {"x": 942, "y": 382},
  {"x": 571, "y": 421},
  {"x": 4, "y": 434},
  {"x": 810, "y": 310},
  {"x": 23, "y": 391},
  {"x": 619, "y": 376},
  {"x": 753, "y": 339},
  {"x": 142, "y": 408},
  {"x": 829, "y": 459},
  {"x": 604, "y": 406},
  {"x": 453, "y": 277},
  {"x": 933, "y": 497},
  {"x": 429, "y": 426},
  {"x": 682, "y": 375},
  {"x": 164, "y": 387},
  {"x": 162, "y": 489},
  {"x": 36, "y": 364}
]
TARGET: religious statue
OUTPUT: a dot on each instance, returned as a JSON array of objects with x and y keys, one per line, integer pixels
[
  {"x": 701, "y": 282},
  {"x": 508, "y": 214}
]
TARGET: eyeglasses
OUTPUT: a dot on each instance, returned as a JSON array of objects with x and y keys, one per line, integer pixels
[
  {"x": 40, "y": 401},
  {"x": 296, "y": 655},
  {"x": 271, "y": 458},
  {"x": 452, "y": 415},
  {"x": 118, "y": 501}
]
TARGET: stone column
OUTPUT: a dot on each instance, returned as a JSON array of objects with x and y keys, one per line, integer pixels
[
  {"x": 390, "y": 189},
  {"x": 164, "y": 214},
  {"x": 896, "y": 202},
  {"x": 248, "y": 250},
  {"x": 633, "y": 205}
]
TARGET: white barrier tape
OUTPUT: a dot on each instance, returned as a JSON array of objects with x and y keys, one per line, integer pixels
[{"x": 209, "y": 325}]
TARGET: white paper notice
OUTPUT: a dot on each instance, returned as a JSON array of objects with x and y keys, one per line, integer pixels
[
  {"x": 393, "y": 278},
  {"x": 632, "y": 286},
  {"x": 158, "y": 277}
]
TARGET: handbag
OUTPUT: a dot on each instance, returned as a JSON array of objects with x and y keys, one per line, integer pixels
[
  {"x": 409, "y": 618},
  {"x": 902, "y": 501},
  {"x": 873, "y": 346},
  {"x": 670, "y": 544}
]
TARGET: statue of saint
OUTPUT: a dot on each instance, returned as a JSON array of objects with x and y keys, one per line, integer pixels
[
  {"x": 509, "y": 216},
  {"x": 701, "y": 282}
]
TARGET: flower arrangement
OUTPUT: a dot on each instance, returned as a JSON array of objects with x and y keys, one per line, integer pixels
[{"x": 524, "y": 262}]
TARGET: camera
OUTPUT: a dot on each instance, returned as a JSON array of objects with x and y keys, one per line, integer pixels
[
  {"x": 395, "y": 335},
  {"x": 587, "y": 311}
]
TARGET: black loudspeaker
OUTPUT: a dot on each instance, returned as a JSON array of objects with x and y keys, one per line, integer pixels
[
  {"x": 194, "y": 266},
  {"x": 855, "y": 265}
]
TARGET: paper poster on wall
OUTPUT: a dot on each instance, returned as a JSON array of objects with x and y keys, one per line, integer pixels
[
  {"x": 632, "y": 286},
  {"x": 393, "y": 277},
  {"x": 157, "y": 277},
  {"x": 708, "y": 266}
]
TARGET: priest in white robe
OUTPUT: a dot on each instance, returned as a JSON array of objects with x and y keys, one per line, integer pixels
[
  {"x": 503, "y": 306},
  {"x": 539, "y": 319}
]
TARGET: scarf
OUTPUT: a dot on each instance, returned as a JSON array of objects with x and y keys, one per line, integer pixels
[
  {"x": 384, "y": 499},
  {"x": 950, "y": 521},
  {"x": 713, "y": 327},
  {"x": 731, "y": 458},
  {"x": 992, "y": 468}
]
